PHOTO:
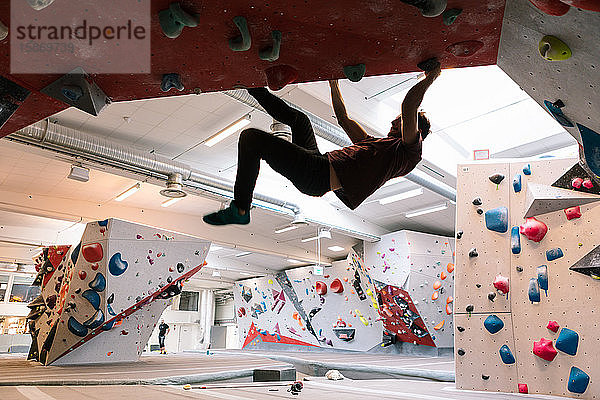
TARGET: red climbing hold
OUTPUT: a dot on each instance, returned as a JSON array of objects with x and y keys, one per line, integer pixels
[
  {"x": 587, "y": 183},
  {"x": 590, "y": 5},
  {"x": 576, "y": 183},
  {"x": 544, "y": 349},
  {"x": 448, "y": 309},
  {"x": 92, "y": 252},
  {"x": 551, "y": 7},
  {"x": 465, "y": 49},
  {"x": 533, "y": 229},
  {"x": 573, "y": 212},
  {"x": 336, "y": 286},
  {"x": 450, "y": 267},
  {"x": 443, "y": 275},
  {"x": 280, "y": 75},
  {"x": 553, "y": 326},
  {"x": 82, "y": 274},
  {"x": 523, "y": 388},
  {"x": 501, "y": 284},
  {"x": 321, "y": 288}
]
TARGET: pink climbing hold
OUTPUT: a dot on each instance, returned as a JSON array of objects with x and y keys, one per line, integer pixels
[
  {"x": 544, "y": 349},
  {"x": 321, "y": 288},
  {"x": 533, "y": 229},
  {"x": 336, "y": 286},
  {"x": 576, "y": 183},
  {"x": 523, "y": 388},
  {"x": 553, "y": 326},
  {"x": 573, "y": 212},
  {"x": 501, "y": 284},
  {"x": 587, "y": 183}
]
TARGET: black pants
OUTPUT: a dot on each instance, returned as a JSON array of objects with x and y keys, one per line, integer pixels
[
  {"x": 161, "y": 341},
  {"x": 299, "y": 161}
]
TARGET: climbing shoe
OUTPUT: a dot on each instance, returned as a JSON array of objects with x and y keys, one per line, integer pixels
[{"x": 229, "y": 215}]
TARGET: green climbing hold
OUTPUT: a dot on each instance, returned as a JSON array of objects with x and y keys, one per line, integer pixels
[
  {"x": 450, "y": 15},
  {"x": 174, "y": 19},
  {"x": 554, "y": 49},
  {"x": 355, "y": 72},
  {"x": 244, "y": 41},
  {"x": 272, "y": 53}
]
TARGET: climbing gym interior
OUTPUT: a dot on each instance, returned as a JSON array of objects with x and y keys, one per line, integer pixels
[{"x": 471, "y": 273}]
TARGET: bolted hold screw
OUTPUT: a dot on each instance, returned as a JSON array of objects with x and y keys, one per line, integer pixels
[
  {"x": 460, "y": 328},
  {"x": 470, "y": 308},
  {"x": 477, "y": 201},
  {"x": 480, "y": 211},
  {"x": 473, "y": 252},
  {"x": 492, "y": 296},
  {"x": 459, "y": 234},
  {"x": 461, "y": 352},
  {"x": 485, "y": 377},
  {"x": 519, "y": 268}
]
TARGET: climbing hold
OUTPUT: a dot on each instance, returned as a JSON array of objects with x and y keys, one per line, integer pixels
[
  {"x": 578, "y": 380},
  {"x": 587, "y": 183},
  {"x": 92, "y": 252},
  {"x": 429, "y": 64},
  {"x": 99, "y": 283},
  {"x": 491, "y": 296},
  {"x": 439, "y": 325},
  {"x": 75, "y": 253},
  {"x": 3, "y": 31},
  {"x": 449, "y": 16},
  {"x": 567, "y": 341},
  {"x": 553, "y": 254},
  {"x": 527, "y": 169},
  {"x": 280, "y": 75},
  {"x": 243, "y": 41},
  {"x": 180, "y": 267},
  {"x": 429, "y": 8},
  {"x": 171, "y": 81},
  {"x": 496, "y": 178},
  {"x": 497, "y": 219},
  {"x": 272, "y": 53},
  {"x": 450, "y": 267},
  {"x": 590, "y": 141},
  {"x": 437, "y": 285},
  {"x": 553, "y": 326},
  {"x": 95, "y": 321},
  {"x": 321, "y": 288},
  {"x": 116, "y": 266},
  {"x": 523, "y": 388},
  {"x": 355, "y": 72},
  {"x": 448, "y": 309},
  {"x": 459, "y": 234},
  {"x": 477, "y": 201},
  {"x": 478, "y": 285},
  {"x": 551, "y": 7},
  {"x": 576, "y": 182},
  {"x": 39, "y": 4},
  {"x": 92, "y": 297},
  {"x": 515, "y": 240},
  {"x": 590, "y": 5},
  {"x": 174, "y": 19},
  {"x": 554, "y": 49},
  {"x": 72, "y": 92},
  {"x": 82, "y": 275},
  {"x": 336, "y": 286},
  {"x": 479, "y": 210},
  {"x": 485, "y": 377},
  {"x": 461, "y": 352},
  {"x": 493, "y": 324},
  {"x": 443, "y": 275},
  {"x": 572, "y": 213},
  {"x": 501, "y": 284},
  {"x": 51, "y": 301},
  {"x": 544, "y": 349},
  {"x": 469, "y": 308},
  {"x": 76, "y": 327},
  {"x": 555, "y": 110},
  {"x": 519, "y": 268},
  {"x": 435, "y": 295},
  {"x": 534, "y": 291},
  {"x": 533, "y": 229},
  {"x": 542, "y": 277},
  {"x": 465, "y": 49},
  {"x": 460, "y": 328},
  {"x": 473, "y": 252},
  {"x": 506, "y": 355},
  {"x": 517, "y": 183}
]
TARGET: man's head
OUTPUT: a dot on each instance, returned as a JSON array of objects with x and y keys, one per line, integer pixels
[
  {"x": 162, "y": 321},
  {"x": 423, "y": 125}
]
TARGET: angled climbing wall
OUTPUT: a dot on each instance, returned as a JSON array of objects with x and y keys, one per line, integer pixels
[
  {"x": 101, "y": 299},
  {"x": 519, "y": 280}
]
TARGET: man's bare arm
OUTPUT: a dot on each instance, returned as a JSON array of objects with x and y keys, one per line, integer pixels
[
  {"x": 410, "y": 106},
  {"x": 355, "y": 132}
]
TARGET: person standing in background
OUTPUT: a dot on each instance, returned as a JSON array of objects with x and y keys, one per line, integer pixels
[{"x": 163, "y": 330}]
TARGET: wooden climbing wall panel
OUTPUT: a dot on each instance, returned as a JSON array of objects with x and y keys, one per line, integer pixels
[
  {"x": 318, "y": 39},
  {"x": 571, "y": 300}
]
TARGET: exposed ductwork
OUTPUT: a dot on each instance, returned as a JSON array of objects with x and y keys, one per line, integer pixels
[{"x": 336, "y": 135}]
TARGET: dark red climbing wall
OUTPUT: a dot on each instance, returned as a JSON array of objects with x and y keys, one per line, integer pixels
[{"x": 319, "y": 38}]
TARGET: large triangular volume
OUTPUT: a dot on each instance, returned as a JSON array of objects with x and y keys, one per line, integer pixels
[
  {"x": 589, "y": 264},
  {"x": 576, "y": 171},
  {"x": 542, "y": 199}
]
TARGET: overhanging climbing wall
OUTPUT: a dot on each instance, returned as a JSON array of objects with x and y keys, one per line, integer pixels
[
  {"x": 101, "y": 300},
  {"x": 496, "y": 332}
]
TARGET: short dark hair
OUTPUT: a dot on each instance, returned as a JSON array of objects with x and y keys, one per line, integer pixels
[{"x": 423, "y": 124}]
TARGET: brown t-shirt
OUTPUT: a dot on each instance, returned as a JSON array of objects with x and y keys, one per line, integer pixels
[{"x": 366, "y": 165}]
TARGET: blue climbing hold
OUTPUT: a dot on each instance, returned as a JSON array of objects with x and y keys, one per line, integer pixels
[
  {"x": 72, "y": 92},
  {"x": 578, "y": 380},
  {"x": 171, "y": 81},
  {"x": 555, "y": 110},
  {"x": 75, "y": 253},
  {"x": 116, "y": 265},
  {"x": 493, "y": 324},
  {"x": 554, "y": 254},
  {"x": 76, "y": 328},
  {"x": 497, "y": 219},
  {"x": 95, "y": 321},
  {"x": 108, "y": 326},
  {"x": 506, "y": 355},
  {"x": 534, "y": 291},
  {"x": 99, "y": 283},
  {"x": 515, "y": 240},
  {"x": 567, "y": 341},
  {"x": 517, "y": 183},
  {"x": 92, "y": 297},
  {"x": 542, "y": 277},
  {"x": 110, "y": 310},
  {"x": 103, "y": 223},
  {"x": 591, "y": 144},
  {"x": 527, "y": 169}
]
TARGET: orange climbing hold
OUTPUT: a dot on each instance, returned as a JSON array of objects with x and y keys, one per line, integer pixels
[
  {"x": 437, "y": 285},
  {"x": 435, "y": 295},
  {"x": 440, "y": 325},
  {"x": 449, "y": 300},
  {"x": 450, "y": 267},
  {"x": 448, "y": 309},
  {"x": 443, "y": 275}
]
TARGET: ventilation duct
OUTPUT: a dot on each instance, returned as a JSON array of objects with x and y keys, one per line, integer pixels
[{"x": 174, "y": 187}]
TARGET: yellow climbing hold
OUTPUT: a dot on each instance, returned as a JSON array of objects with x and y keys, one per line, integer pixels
[
  {"x": 270, "y": 281},
  {"x": 187, "y": 387}
]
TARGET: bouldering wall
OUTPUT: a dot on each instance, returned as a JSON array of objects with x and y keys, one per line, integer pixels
[
  {"x": 525, "y": 291},
  {"x": 414, "y": 274},
  {"x": 101, "y": 299}
]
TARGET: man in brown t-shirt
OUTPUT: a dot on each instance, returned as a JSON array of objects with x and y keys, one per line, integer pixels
[{"x": 353, "y": 172}]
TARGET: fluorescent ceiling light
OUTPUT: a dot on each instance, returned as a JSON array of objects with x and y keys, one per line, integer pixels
[
  {"x": 426, "y": 211},
  {"x": 245, "y": 273},
  {"x": 336, "y": 248},
  {"x": 216, "y": 273},
  {"x": 322, "y": 234},
  {"x": 128, "y": 192},
  {"x": 228, "y": 131},
  {"x": 393, "y": 181},
  {"x": 286, "y": 229},
  {"x": 291, "y": 260},
  {"x": 169, "y": 202},
  {"x": 401, "y": 196},
  {"x": 214, "y": 247},
  {"x": 245, "y": 253}
]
